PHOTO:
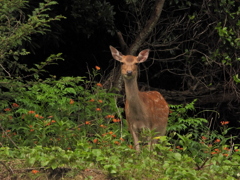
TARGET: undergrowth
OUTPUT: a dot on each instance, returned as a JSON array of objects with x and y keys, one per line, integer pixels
[{"x": 75, "y": 123}]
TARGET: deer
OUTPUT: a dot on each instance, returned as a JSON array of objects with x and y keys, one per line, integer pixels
[{"x": 143, "y": 109}]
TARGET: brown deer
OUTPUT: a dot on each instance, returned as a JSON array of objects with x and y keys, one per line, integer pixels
[{"x": 144, "y": 110}]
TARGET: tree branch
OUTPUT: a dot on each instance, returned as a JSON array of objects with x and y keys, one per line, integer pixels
[{"x": 148, "y": 28}]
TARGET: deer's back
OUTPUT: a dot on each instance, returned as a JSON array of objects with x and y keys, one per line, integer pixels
[{"x": 154, "y": 114}]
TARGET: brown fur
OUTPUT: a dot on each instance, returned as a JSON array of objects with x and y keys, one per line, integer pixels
[{"x": 144, "y": 110}]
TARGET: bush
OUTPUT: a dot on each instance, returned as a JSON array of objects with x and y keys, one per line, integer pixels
[{"x": 58, "y": 112}]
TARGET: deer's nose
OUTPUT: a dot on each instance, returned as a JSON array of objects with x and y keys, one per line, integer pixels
[{"x": 129, "y": 72}]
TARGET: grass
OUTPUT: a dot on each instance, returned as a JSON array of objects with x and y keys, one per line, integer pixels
[{"x": 72, "y": 128}]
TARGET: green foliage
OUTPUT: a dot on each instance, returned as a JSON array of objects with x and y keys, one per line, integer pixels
[
  {"x": 179, "y": 120},
  {"x": 16, "y": 28},
  {"x": 55, "y": 123},
  {"x": 51, "y": 111},
  {"x": 73, "y": 122}
]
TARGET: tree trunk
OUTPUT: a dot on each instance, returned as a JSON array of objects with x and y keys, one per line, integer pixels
[
  {"x": 148, "y": 28},
  {"x": 114, "y": 79}
]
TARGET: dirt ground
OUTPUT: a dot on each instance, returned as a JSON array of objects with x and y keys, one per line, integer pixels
[{"x": 57, "y": 174}]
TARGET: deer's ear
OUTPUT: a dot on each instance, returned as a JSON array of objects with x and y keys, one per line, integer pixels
[
  {"x": 115, "y": 53},
  {"x": 143, "y": 55}
]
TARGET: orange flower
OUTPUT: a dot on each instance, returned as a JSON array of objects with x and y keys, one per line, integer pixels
[
  {"x": 95, "y": 141},
  {"x": 116, "y": 120},
  {"x": 53, "y": 121},
  {"x": 91, "y": 100},
  {"x": 30, "y": 126},
  {"x": 7, "y": 109},
  {"x": 204, "y": 138},
  {"x": 225, "y": 155},
  {"x": 213, "y": 152},
  {"x": 31, "y": 112},
  {"x": 8, "y": 130},
  {"x": 224, "y": 122},
  {"x": 15, "y": 105},
  {"x": 217, "y": 141},
  {"x": 100, "y": 101},
  {"x": 114, "y": 135},
  {"x": 41, "y": 117},
  {"x": 36, "y": 115},
  {"x": 99, "y": 84},
  {"x": 71, "y": 101},
  {"x": 236, "y": 150},
  {"x": 102, "y": 126},
  {"x": 48, "y": 124},
  {"x": 31, "y": 130},
  {"x": 87, "y": 122},
  {"x": 110, "y": 132},
  {"x": 121, "y": 139},
  {"x": 130, "y": 146},
  {"x": 217, "y": 150},
  {"x": 97, "y": 67},
  {"x": 110, "y": 116},
  {"x": 226, "y": 148},
  {"x": 116, "y": 142},
  {"x": 98, "y": 109},
  {"x": 104, "y": 134},
  {"x": 50, "y": 116},
  {"x": 35, "y": 171}
]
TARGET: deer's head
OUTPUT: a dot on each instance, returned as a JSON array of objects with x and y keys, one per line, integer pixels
[{"x": 129, "y": 63}]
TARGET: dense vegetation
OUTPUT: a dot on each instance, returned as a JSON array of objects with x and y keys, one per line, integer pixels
[{"x": 62, "y": 125}]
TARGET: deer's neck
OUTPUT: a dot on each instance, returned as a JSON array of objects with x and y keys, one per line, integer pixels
[{"x": 132, "y": 92}]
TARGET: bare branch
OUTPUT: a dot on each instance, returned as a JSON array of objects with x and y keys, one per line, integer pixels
[{"x": 148, "y": 28}]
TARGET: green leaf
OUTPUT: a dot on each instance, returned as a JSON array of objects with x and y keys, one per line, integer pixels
[{"x": 178, "y": 156}]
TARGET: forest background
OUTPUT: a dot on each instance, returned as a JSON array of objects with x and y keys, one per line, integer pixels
[{"x": 56, "y": 53}]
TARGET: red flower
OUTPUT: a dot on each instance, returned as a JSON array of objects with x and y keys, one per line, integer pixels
[
  {"x": 97, "y": 67},
  {"x": 15, "y": 105},
  {"x": 95, "y": 141},
  {"x": 204, "y": 138},
  {"x": 35, "y": 171},
  {"x": 116, "y": 142},
  {"x": 71, "y": 101},
  {"x": 224, "y": 122},
  {"x": 31, "y": 112},
  {"x": 99, "y": 84},
  {"x": 116, "y": 120},
  {"x": 110, "y": 116}
]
